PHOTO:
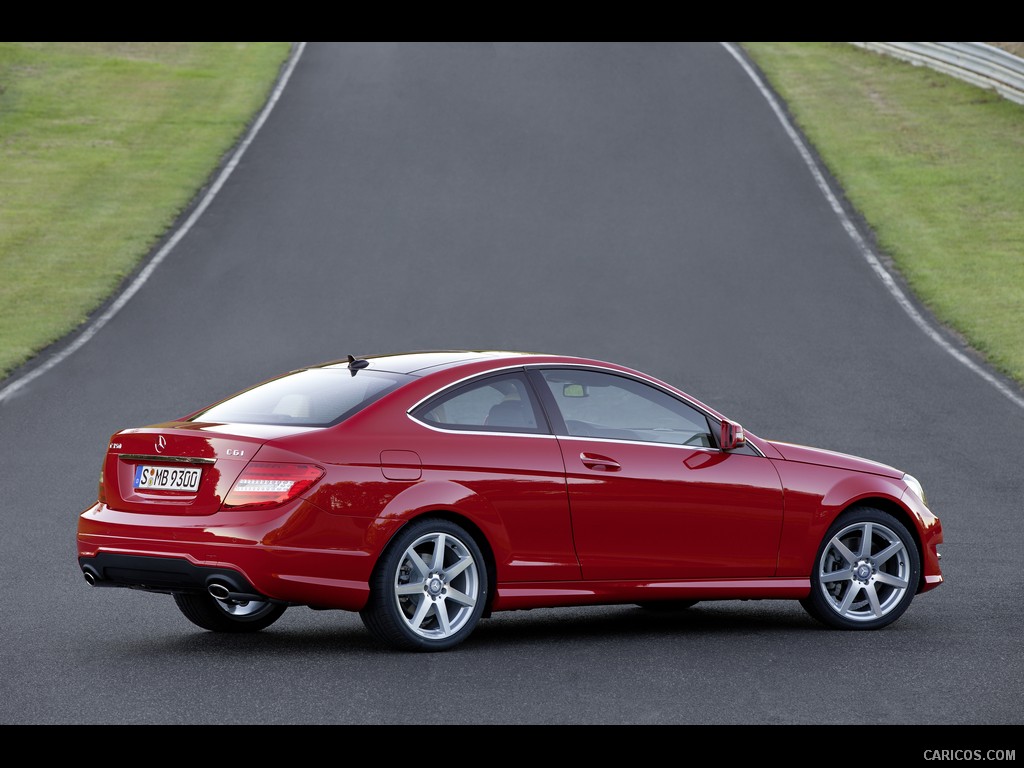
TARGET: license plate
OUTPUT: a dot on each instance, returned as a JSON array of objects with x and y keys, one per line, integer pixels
[{"x": 148, "y": 478}]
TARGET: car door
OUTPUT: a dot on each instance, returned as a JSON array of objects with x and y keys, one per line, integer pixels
[
  {"x": 651, "y": 496},
  {"x": 489, "y": 438}
]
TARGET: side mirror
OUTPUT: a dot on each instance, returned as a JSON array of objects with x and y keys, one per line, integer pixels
[{"x": 732, "y": 435}]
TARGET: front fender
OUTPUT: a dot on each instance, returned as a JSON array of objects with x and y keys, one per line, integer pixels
[{"x": 816, "y": 496}]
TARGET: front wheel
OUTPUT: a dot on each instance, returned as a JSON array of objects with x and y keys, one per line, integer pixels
[
  {"x": 429, "y": 589},
  {"x": 228, "y": 616},
  {"x": 866, "y": 572}
]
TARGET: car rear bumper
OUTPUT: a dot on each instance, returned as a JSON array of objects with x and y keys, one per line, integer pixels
[
  {"x": 162, "y": 574},
  {"x": 279, "y": 555}
]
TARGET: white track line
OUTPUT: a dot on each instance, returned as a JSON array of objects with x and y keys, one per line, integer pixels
[
  {"x": 819, "y": 179},
  {"x": 861, "y": 244},
  {"x": 183, "y": 230}
]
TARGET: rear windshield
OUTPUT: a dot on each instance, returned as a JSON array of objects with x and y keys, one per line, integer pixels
[{"x": 318, "y": 397}]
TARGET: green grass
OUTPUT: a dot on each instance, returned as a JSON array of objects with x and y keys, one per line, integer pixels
[
  {"x": 102, "y": 145},
  {"x": 936, "y": 168}
]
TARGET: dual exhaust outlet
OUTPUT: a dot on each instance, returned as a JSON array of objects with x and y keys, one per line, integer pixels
[
  {"x": 225, "y": 594},
  {"x": 219, "y": 590}
]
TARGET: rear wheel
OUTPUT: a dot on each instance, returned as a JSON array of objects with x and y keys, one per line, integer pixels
[
  {"x": 227, "y": 615},
  {"x": 429, "y": 589},
  {"x": 866, "y": 572}
]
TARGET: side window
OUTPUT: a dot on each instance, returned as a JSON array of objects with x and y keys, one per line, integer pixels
[
  {"x": 496, "y": 404},
  {"x": 594, "y": 404}
]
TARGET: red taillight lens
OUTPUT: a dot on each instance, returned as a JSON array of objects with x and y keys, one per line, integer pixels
[
  {"x": 101, "y": 493},
  {"x": 263, "y": 484}
]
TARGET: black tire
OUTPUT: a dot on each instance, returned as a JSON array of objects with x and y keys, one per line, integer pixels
[
  {"x": 865, "y": 573},
  {"x": 423, "y": 598},
  {"x": 668, "y": 606},
  {"x": 221, "y": 616}
]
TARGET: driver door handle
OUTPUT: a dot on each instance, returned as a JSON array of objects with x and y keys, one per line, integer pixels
[{"x": 599, "y": 462}]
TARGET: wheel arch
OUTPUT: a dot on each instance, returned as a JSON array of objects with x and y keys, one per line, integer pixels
[
  {"x": 898, "y": 511},
  {"x": 481, "y": 541},
  {"x": 455, "y": 503}
]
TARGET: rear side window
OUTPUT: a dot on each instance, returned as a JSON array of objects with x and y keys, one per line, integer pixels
[
  {"x": 318, "y": 397},
  {"x": 503, "y": 403}
]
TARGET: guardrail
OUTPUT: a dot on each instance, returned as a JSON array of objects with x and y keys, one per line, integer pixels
[{"x": 980, "y": 64}]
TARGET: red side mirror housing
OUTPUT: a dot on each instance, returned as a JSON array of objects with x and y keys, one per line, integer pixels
[{"x": 732, "y": 435}]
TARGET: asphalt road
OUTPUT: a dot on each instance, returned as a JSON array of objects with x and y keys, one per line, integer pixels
[{"x": 639, "y": 203}]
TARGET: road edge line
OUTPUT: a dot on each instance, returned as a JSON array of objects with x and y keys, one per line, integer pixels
[
  {"x": 862, "y": 246},
  {"x": 140, "y": 279}
]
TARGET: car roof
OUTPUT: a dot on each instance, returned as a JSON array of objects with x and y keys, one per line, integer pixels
[
  {"x": 427, "y": 362},
  {"x": 420, "y": 362}
]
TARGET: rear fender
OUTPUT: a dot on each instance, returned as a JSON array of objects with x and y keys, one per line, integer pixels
[{"x": 451, "y": 500}]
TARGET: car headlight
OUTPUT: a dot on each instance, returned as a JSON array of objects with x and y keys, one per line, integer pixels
[{"x": 915, "y": 485}]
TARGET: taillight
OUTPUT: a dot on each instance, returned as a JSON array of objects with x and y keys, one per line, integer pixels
[
  {"x": 263, "y": 484},
  {"x": 101, "y": 493}
]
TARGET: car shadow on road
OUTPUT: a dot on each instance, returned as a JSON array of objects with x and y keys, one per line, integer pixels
[{"x": 304, "y": 632}]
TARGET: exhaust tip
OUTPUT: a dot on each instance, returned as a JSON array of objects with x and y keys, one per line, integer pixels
[
  {"x": 219, "y": 591},
  {"x": 90, "y": 578}
]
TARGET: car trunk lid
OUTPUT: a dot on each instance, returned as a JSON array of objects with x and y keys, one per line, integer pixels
[{"x": 180, "y": 468}]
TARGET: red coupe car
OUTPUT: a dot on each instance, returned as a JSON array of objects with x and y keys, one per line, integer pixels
[{"x": 427, "y": 490}]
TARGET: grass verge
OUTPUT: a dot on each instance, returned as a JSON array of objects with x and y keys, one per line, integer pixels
[
  {"x": 935, "y": 166},
  {"x": 102, "y": 145}
]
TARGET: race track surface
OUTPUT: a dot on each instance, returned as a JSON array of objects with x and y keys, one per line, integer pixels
[{"x": 639, "y": 203}]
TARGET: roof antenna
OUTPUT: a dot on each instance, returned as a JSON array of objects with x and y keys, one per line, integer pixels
[{"x": 355, "y": 365}]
